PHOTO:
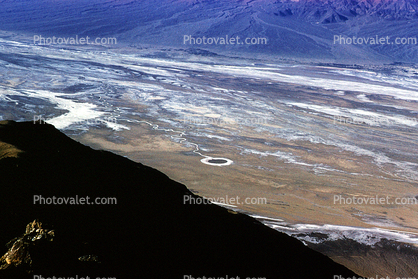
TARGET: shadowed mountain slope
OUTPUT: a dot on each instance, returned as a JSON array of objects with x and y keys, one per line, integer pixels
[{"x": 149, "y": 232}]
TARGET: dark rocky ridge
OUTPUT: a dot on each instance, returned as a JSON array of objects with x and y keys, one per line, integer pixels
[
  {"x": 150, "y": 232},
  {"x": 386, "y": 259}
]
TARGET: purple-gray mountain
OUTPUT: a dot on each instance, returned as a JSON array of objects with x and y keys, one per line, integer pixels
[{"x": 298, "y": 30}]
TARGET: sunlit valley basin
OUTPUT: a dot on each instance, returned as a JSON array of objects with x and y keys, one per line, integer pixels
[{"x": 308, "y": 138}]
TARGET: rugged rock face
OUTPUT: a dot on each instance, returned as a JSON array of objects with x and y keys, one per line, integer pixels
[
  {"x": 20, "y": 248},
  {"x": 387, "y": 257},
  {"x": 150, "y": 231},
  {"x": 315, "y": 10}
]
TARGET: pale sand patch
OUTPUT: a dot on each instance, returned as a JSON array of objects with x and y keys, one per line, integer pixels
[
  {"x": 207, "y": 161},
  {"x": 13, "y": 82}
]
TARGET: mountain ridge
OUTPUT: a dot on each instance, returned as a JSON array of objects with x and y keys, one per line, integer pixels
[{"x": 297, "y": 30}]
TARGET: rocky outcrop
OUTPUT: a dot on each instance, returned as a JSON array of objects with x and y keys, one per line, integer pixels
[{"x": 18, "y": 254}]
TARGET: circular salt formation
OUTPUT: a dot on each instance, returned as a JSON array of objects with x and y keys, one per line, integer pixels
[{"x": 216, "y": 161}]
